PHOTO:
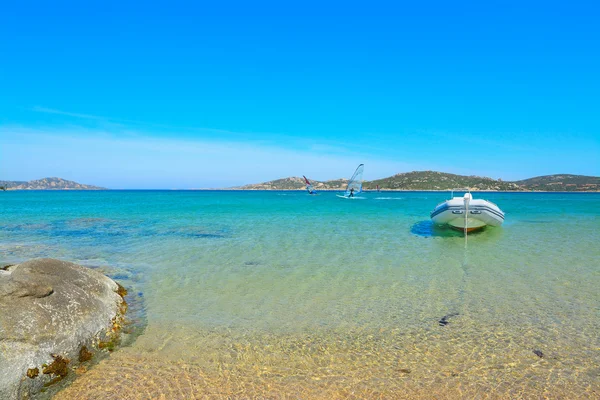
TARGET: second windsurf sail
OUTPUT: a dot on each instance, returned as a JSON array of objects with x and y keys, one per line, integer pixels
[{"x": 309, "y": 187}]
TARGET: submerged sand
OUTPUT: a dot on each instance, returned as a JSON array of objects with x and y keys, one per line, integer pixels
[{"x": 437, "y": 364}]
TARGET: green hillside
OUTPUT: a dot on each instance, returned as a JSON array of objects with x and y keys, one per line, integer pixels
[
  {"x": 432, "y": 180},
  {"x": 296, "y": 183},
  {"x": 561, "y": 183}
]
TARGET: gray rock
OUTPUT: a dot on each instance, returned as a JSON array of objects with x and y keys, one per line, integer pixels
[{"x": 49, "y": 310}]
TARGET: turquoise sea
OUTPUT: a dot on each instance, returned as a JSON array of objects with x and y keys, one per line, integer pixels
[{"x": 286, "y": 295}]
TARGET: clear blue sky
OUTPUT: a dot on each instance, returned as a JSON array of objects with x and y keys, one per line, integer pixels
[{"x": 212, "y": 94}]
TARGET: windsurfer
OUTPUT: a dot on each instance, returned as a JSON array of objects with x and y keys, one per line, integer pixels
[{"x": 309, "y": 187}]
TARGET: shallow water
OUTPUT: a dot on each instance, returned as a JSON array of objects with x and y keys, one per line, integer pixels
[{"x": 281, "y": 294}]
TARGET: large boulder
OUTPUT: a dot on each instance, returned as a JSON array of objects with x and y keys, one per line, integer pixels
[{"x": 53, "y": 314}]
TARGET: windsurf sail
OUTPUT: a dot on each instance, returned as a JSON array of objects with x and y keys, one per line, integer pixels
[
  {"x": 355, "y": 183},
  {"x": 378, "y": 188},
  {"x": 309, "y": 187}
]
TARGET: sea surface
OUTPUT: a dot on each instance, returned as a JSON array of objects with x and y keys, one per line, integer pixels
[{"x": 286, "y": 295}]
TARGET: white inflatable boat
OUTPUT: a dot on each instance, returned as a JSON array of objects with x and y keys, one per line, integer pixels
[{"x": 466, "y": 213}]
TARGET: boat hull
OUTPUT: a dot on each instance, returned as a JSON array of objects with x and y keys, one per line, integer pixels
[{"x": 479, "y": 213}]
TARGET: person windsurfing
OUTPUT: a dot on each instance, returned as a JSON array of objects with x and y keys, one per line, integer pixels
[
  {"x": 354, "y": 184},
  {"x": 309, "y": 187}
]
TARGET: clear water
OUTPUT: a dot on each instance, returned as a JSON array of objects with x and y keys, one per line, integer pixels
[{"x": 282, "y": 294}]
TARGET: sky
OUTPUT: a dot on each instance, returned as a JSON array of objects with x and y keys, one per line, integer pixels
[{"x": 217, "y": 94}]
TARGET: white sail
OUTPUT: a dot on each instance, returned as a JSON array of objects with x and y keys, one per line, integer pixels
[{"x": 355, "y": 183}]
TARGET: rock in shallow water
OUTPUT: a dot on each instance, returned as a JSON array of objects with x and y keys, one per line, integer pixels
[{"x": 49, "y": 310}]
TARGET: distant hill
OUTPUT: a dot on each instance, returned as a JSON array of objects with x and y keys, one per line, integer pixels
[
  {"x": 432, "y": 180},
  {"x": 47, "y": 184},
  {"x": 10, "y": 184},
  {"x": 562, "y": 183},
  {"x": 295, "y": 183}
]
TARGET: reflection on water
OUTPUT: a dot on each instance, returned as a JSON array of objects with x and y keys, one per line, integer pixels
[
  {"x": 259, "y": 295},
  {"x": 429, "y": 229}
]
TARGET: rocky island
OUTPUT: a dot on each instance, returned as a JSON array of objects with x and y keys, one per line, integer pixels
[
  {"x": 54, "y": 316},
  {"x": 47, "y": 184}
]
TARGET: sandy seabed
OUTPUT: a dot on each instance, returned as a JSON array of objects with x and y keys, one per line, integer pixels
[{"x": 365, "y": 365}]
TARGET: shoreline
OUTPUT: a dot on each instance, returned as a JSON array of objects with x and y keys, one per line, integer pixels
[
  {"x": 395, "y": 190},
  {"x": 297, "y": 190}
]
